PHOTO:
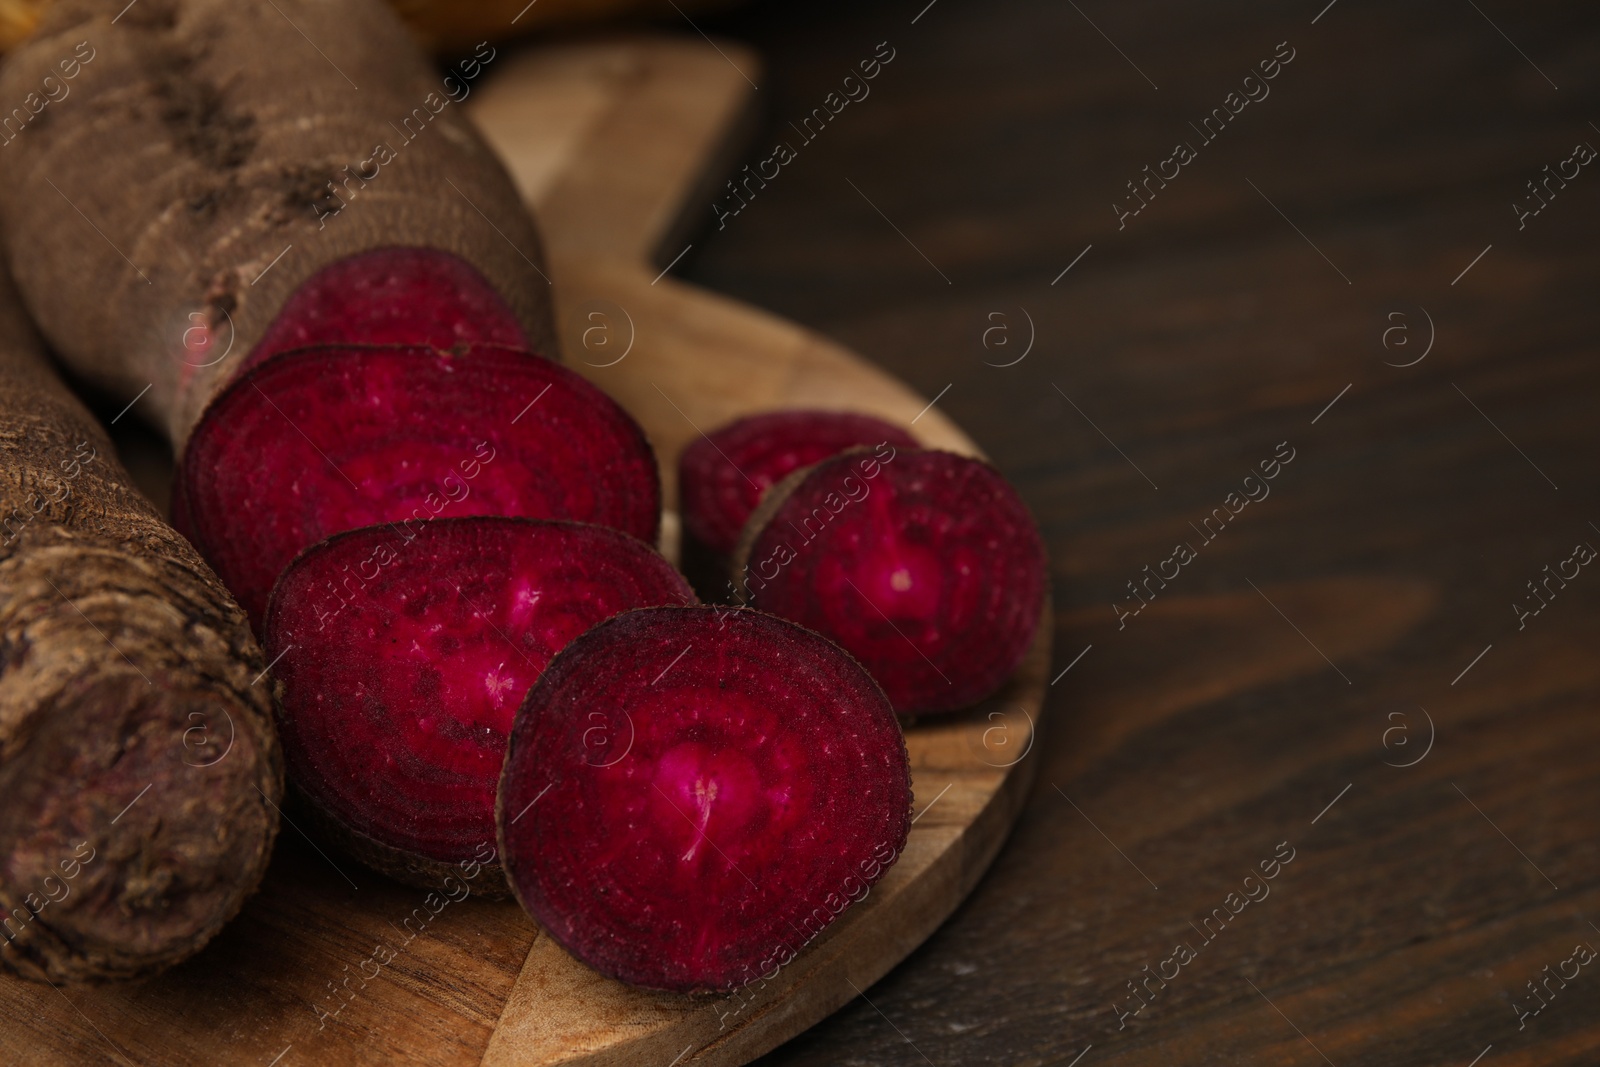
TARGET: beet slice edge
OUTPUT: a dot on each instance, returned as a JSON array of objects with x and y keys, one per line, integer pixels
[
  {"x": 393, "y": 295},
  {"x": 722, "y": 475},
  {"x": 400, "y": 664},
  {"x": 923, "y": 564},
  {"x": 316, "y": 441},
  {"x": 692, "y": 794}
]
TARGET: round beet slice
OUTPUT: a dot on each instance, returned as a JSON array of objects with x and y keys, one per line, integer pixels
[
  {"x": 321, "y": 440},
  {"x": 400, "y": 295},
  {"x": 691, "y": 794},
  {"x": 403, "y": 661},
  {"x": 925, "y": 565},
  {"x": 721, "y": 477}
]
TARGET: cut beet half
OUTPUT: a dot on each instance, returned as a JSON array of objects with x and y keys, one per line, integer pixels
[
  {"x": 403, "y": 296},
  {"x": 693, "y": 794},
  {"x": 925, "y": 565},
  {"x": 403, "y": 662},
  {"x": 721, "y": 477},
  {"x": 318, "y": 441}
]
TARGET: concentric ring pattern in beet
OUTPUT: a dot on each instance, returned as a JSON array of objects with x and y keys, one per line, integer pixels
[
  {"x": 722, "y": 476},
  {"x": 402, "y": 662},
  {"x": 318, "y": 441},
  {"x": 396, "y": 295},
  {"x": 926, "y": 566},
  {"x": 692, "y": 794}
]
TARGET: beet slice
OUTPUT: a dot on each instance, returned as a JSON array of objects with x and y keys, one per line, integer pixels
[
  {"x": 404, "y": 296},
  {"x": 403, "y": 662},
  {"x": 926, "y": 566},
  {"x": 722, "y": 476},
  {"x": 321, "y": 440},
  {"x": 691, "y": 794}
]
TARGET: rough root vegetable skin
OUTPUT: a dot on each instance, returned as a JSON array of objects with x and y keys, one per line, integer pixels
[
  {"x": 404, "y": 655},
  {"x": 722, "y": 475},
  {"x": 485, "y": 431},
  {"x": 139, "y": 771},
  {"x": 691, "y": 795},
  {"x": 924, "y": 565},
  {"x": 233, "y": 164}
]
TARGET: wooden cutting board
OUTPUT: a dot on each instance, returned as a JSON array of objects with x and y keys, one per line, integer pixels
[{"x": 618, "y": 147}]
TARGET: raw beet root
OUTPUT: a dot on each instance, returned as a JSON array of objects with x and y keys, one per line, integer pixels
[
  {"x": 721, "y": 477},
  {"x": 924, "y": 565},
  {"x": 401, "y": 296},
  {"x": 402, "y": 663},
  {"x": 321, "y": 440},
  {"x": 691, "y": 794}
]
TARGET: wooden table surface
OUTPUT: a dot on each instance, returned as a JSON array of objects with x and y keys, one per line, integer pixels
[{"x": 1265, "y": 699}]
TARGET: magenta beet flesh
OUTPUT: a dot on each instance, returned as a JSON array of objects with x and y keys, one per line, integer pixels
[
  {"x": 402, "y": 296},
  {"x": 692, "y": 794},
  {"x": 403, "y": 662},
  {"x": 318, "y": 441},
  {"x": 926, "y": 567},
  {"x": 721, "y": 477}
]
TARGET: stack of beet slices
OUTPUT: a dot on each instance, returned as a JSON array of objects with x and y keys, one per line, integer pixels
[{"x": 446, "y": 543}]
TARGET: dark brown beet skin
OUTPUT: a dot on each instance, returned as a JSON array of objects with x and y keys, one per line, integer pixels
[
  {"x": 722, "y": 476},
  {"x": 402, "y": 662},
  {"x": 926, "y": 566},
  {"x": 692, "y": 794},
  {"x": 140, "y": 775},
  {"x": 321, "y": 440}
]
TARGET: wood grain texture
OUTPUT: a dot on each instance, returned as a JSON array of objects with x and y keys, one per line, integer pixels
[
  {"x": 1197, "y": 338},
  {"x": 607, "y": 142}
]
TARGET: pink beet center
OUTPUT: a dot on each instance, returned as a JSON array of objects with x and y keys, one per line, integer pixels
[
  {"x": 933, "y": 575},
  {"x": 763, "y": 774}
]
